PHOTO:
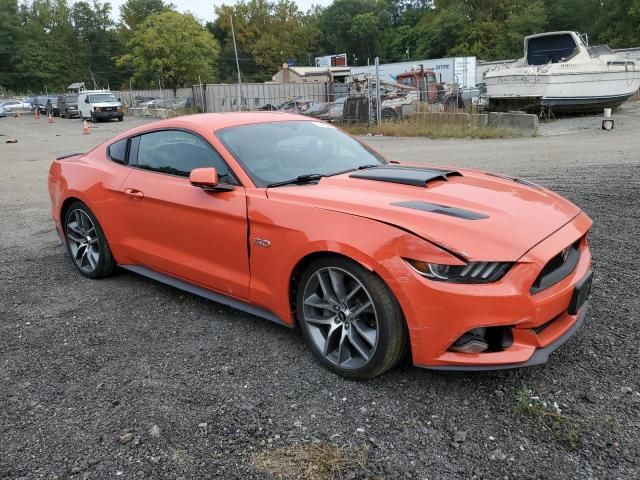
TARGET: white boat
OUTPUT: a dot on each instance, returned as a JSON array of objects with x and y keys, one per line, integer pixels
[{"x": 560, "y": 71}]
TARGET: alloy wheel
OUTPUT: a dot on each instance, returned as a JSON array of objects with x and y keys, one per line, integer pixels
[
  {"x": 341, "y": 317},
  {"x": 82, "y": 238}
]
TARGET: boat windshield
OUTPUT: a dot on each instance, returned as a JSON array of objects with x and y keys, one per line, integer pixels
[{"x": 550, "y": 49}]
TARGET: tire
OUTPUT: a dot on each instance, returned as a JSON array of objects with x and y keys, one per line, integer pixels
[
  {"x": 389, "y": 114},
  {"x": 93, "y": 119},
  {"x": 120, "y": 119},
  {"x": 92, "y": 259},
  {"x": 359, "y": 337}
]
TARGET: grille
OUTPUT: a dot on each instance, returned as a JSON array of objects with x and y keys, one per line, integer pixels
[{"x": 558, "y": 268}]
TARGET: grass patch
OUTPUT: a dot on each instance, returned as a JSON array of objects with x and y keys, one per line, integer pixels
[
  {"x": 417, "y": 127},
  {"x": 316, "y": 461},
  {"x": 564, "y": 428}
]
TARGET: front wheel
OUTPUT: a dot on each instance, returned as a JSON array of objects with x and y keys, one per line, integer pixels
[
  {"x": 86, "y": 242},
  {"x": 350, "y": 318}
]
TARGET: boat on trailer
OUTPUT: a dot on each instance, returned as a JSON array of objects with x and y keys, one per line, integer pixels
[{"x": 562, "y": 73}]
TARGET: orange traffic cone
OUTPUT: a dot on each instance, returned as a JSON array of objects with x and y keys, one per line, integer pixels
[
  {"x": 85, "y": 128},
  {"x": 51, "y": 119}
]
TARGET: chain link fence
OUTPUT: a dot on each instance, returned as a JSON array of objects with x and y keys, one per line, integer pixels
[{"x": 354, "y": 101}]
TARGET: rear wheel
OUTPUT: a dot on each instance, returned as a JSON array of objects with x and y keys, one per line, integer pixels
[
  {"x": 389, "y": 114},
  {"x": 350, "y": 318},
  {"x": 86, "y": 242}
]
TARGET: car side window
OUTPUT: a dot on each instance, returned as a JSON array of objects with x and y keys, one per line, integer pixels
[
  {"x": 176, "y": 152},
  {"x": 118, "y": 151}
]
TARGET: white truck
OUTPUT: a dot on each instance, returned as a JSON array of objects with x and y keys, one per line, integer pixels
[{"x": 99, "y": 105}]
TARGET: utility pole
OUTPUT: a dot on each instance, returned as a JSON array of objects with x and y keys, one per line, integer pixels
[
  {"x": 235, "y": 49},
  {"x": 378, "y": 106}
]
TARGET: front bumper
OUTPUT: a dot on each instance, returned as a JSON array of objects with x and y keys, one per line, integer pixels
[
  {"x": 107, "y": 115},
  {"x": 439, "y": 313},
  {"x": 540, "y": 355}
]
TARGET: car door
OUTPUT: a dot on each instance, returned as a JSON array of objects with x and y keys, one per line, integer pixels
[{"x": 177, "y": 228}]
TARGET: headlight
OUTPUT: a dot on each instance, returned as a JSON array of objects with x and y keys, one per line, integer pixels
[
  {"x": 474, "y": 272},
  {"x": 119, "y": 109},
  {"x": 97, "y": 109}
]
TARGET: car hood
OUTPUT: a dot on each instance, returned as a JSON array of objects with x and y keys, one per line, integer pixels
[
  {"x": 106, "y": 104},
  {"x": 476, "y": 215}
]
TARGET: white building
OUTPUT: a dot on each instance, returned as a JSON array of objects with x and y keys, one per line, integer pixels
[{"x": 289, "y": 74}]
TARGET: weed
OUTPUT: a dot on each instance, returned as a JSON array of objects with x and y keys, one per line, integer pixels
[
  {"x": 419, "y": 126},
  {"x": 564, "y": 428}
]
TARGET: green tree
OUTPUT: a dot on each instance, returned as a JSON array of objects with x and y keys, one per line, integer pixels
[
  {"x": 135, "y": 12},
  {"x": 97, "y": 43},
  {"x": 267, "y": 34},
  {"x": 173, "y": 49},
  {"x": 9, "y": 38},
  {"x": 354, "y": 27}
]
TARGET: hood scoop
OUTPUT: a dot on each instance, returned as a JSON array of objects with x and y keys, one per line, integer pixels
[
  {"x": 417, "y": 177},
  {"x": 442, "y": 210}
]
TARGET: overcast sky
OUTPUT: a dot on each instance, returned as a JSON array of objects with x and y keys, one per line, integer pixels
[{"x": 203, "y": 9}]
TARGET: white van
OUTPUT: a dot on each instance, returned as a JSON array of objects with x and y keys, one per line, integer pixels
[{"x": 99, "y": 105}]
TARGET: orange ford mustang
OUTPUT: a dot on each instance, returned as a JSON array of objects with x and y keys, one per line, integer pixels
[{"x": 292, "y": 220}]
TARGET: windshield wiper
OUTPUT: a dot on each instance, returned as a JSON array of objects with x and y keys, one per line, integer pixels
[
  {"x": 299, "y": 180},
  {"x": 365, "y": 167}
]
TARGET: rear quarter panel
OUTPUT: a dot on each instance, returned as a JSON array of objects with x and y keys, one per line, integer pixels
[{"x": 92, "y": 179}]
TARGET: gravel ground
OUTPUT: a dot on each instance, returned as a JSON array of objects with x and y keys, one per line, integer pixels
[{"x": 127, "y": 377}]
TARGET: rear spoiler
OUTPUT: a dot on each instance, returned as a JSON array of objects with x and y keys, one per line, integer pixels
[{"x": 67, "y": 155}]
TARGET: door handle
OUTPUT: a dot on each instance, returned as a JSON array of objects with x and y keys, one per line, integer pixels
[{"x": 135, "y": 194}]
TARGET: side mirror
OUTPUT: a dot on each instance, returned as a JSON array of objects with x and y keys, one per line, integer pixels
[
  {"x": 86, "y": 100},
  {"x": 205, "y": 178}
]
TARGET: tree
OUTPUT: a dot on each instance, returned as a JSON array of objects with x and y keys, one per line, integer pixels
[
  {"x": 354, "y": 27},
  {"x": 134, "y": 12},
  {"x": 267, "y": 34},
  {"x": 172, "y": 48},
  {"x": 97, "y": 42},
  {"x": 9, "y": 36}
]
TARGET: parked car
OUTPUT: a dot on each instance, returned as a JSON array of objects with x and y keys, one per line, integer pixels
[
  {"x": 173, "y": 103},
  {"x": 296, "y": 105},
  {"x": 99, "y": 105},
  {"x": 2, "y": 113},
  {"x": 327, "y": 111},
  {"x": 12, "y": 104},
  {"x": 41, "y": 104},
  {"x": 293, "y": 220},
  {"x": 336, "y": 110},
  {"x": 68, "y": 105},
  {"x": 317, "y": 110}
]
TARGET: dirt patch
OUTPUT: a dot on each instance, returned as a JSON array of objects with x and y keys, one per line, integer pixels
[{"x": 316, "y": 461}]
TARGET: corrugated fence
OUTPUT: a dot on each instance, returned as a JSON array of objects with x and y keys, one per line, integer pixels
[
  {"x": 254, "y": 96},
  {"x": 129, "y": 97}
]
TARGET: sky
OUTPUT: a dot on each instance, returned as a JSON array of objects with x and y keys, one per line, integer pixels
[{"x": 203, "y": 9}]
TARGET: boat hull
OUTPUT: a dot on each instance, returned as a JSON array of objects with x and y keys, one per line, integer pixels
[{"x": 562, "y": 92}]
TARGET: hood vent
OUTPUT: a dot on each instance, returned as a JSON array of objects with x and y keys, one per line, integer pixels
[
  {"x": 442, "y": 210},
  {"x": 417, "y": 177}
]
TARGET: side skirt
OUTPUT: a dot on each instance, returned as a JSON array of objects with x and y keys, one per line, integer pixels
[{"x": 204, "y": 293}]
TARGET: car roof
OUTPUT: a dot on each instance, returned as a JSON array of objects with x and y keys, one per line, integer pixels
[{"x": 218, "y": 121}]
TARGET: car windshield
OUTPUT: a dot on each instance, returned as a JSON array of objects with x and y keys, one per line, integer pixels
[
  {"x": 281, "y": 151},
  {"x": 102, "y": 97},
  {"x": 71, "y": 98}
]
